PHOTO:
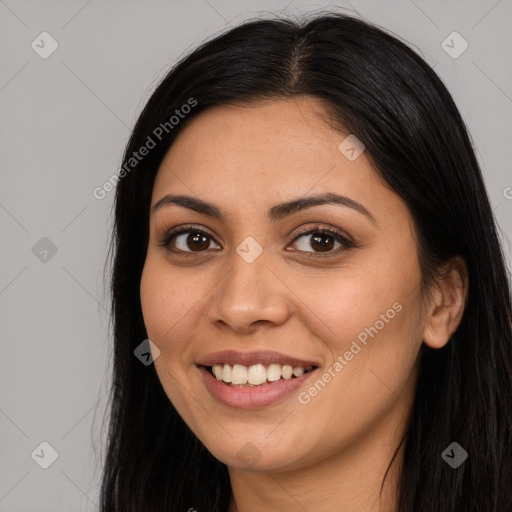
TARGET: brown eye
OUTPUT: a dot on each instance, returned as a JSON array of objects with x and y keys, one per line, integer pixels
[
  {"x": 323, "y": 240},
  {"x": 187, "y": 240},
  {"x": 191, "y": 241},
  {"x": 196, "y": 241}
]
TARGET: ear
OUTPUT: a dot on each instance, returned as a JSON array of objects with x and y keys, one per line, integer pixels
[{"x": 447, "y": 303}]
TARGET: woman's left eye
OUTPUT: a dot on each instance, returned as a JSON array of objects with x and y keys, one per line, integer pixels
[
  {"x": 190, "y": 240},
  {"x": 324, "y": 239}
]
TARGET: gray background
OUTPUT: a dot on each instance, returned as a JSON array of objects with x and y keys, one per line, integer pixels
[{"x": 64, "y": 121}]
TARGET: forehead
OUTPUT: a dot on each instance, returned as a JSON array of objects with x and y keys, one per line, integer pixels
[
  {"x": 265, "y": 152},
  {"x": 288, "y": 127}
]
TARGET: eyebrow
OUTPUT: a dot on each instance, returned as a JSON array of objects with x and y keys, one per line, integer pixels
[{"x": 275, "y": 213}]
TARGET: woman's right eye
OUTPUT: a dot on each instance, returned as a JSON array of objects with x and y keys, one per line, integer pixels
[
  {"x": 192, "y": 239},
  {"x": 186, "y": 240}
]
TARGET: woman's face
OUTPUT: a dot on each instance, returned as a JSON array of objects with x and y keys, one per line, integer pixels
[{"x": 259, "y": 283}]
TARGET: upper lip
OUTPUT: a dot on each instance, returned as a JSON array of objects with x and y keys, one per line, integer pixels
[{"x": 251, "y": 358}]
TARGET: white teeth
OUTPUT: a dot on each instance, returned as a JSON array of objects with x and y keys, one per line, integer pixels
[
  {"x": 239, "y": 374},
  {"x": 217, "y": 371},
  {"x": 287, "y": 371},
  {"x": 298, "y": 371},
  {"x": 226, "y": 373},
  {"x": 274, "y": 372},
  {"x": 256, "y": 374}
]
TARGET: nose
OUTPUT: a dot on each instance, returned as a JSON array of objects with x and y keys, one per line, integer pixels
[{"x": 249, "y": 295}]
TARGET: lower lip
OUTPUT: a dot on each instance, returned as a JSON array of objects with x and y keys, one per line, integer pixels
[{"x": 252, "y": 397}]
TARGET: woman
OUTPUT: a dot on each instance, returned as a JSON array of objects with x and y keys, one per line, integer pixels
[{"x": 303, "y": 232}]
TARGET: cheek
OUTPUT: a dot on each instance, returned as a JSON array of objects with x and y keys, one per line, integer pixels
[
  {"x": 361, "y": 303},
  {"x": 153, "y": 300},
  {"x": 165, "y": 313},
  {"x": 371, "y": 322},
  {"x": 172, "y": 302},
  {"x": 163, "y": 305},
  {"x": 373, "y": 355},
  {"x": 163, "y": 298}
]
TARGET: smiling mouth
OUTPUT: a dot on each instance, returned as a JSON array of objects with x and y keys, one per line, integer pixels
[{"x": 257, "y": 375}]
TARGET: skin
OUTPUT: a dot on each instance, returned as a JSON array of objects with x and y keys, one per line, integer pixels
[{"x": 335, "y": 449}]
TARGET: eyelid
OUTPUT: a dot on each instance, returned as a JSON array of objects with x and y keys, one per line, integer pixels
[
  {"x": 166, "y": 237},
  {"x": 322, "y": 228},
  {"x": 339, "y": 235}
]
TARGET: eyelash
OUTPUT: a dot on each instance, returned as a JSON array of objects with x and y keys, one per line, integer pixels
[{"x": 317, "y": 229}]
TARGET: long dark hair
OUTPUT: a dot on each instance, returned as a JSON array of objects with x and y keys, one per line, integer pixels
[{"x": 376, "y": 87}]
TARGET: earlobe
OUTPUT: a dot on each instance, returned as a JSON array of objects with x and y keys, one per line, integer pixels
[{"x": 447, "y": 305}]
